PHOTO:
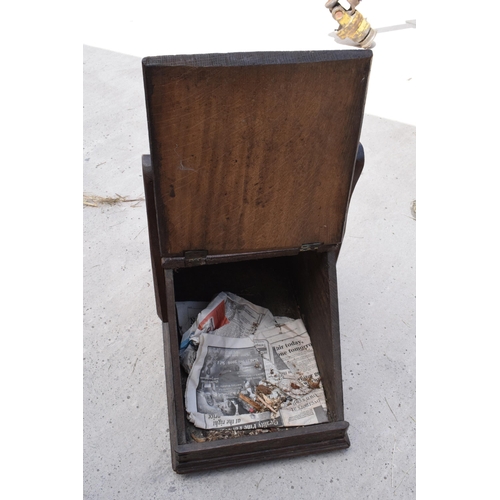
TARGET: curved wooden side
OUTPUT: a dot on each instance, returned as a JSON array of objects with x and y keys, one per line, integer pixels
[{"x": 154, "y": 242}]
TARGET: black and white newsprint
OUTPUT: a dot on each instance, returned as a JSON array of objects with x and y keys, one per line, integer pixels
[
  {"x": 225, "y": 368},
  {"x": 290, "y": 366},
  {"x": 228, "y": 374},
  {"x": 228, "y": 315}
]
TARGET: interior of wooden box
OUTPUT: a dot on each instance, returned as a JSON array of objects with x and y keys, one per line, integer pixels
[{"x": 301, "y": 286}]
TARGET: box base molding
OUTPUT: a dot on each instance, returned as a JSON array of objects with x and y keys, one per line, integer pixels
[{"x": 293, "y": 442}]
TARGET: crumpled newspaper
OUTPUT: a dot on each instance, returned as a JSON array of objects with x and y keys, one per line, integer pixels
[{"x": 227, "y": 315}]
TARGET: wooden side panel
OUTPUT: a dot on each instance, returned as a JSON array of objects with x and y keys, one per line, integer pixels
[
  {"x": 175, "y": 392},
  {"x": 318, "y": 302},
  {"x": 254, "y": 151},
  {"x": 154, "y": 243}
]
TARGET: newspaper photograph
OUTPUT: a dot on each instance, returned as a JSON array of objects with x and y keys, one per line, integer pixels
[
  {"x": 222, "y": 381},
  {"x": 248, "y": 369},
  {"x": 226, "y": 316}
]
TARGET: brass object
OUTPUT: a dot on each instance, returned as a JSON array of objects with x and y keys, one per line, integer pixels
[{"x": 352, "y": 24}]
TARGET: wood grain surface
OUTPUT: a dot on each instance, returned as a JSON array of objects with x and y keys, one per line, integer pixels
[
  {"x": 254, "y": 151},
  {"x": 252, "y": 156},
  {"x": 154, "y": 245},
  {"x": 302, "y": 285}
]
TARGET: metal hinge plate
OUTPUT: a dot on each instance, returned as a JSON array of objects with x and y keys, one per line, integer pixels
[
  {"x": 195, "y": 257},
  {"x": 309, "y": 246}
]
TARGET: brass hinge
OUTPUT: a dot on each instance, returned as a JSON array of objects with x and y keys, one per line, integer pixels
[
  {"x": 309, "y": 246},
  {"x": 195, "y": 257}
]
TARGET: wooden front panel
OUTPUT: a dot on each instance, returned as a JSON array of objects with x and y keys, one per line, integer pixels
[
  {"x": 302, "y": 286},
  {"x": 254, "y": 151}
]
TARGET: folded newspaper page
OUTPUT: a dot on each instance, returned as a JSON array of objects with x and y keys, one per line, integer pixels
[
  {"x": 226, "y": 369},
  {"x": 187, "y": 312},
  {"x": 229, "y": 316},
  {"x": 291, "y": 367},
  {"x": 249, "y": 370}
]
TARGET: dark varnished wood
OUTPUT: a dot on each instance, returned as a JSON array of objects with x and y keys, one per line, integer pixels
[
  {"x": 252, "y": 156},
  {"x": 239, "y": 451},
  {"x": 303, "y": 286},
  {"x": 266, "y": 282},
  {"x": 358, "y": 167},
  {"x": 176, "y": 262},
  {"x": 154, "y": 243},
  {"x": 180, "y": 261},
  {"x": 173, "y": 373},
  {"x": 254, "y": 151},
  {"x": 317, "y": 294}
]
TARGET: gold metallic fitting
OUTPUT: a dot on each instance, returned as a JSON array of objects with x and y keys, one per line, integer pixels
[{"x": 352, "y": 24}]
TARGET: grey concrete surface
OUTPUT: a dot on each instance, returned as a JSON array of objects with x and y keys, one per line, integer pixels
[{"x": 126, "y": 439}]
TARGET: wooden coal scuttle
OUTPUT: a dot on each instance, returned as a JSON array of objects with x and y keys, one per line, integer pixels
[{"x": 253, "y": 161}]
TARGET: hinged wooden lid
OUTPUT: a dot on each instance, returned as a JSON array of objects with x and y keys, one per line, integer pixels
[{"x": 253, "y": 151}]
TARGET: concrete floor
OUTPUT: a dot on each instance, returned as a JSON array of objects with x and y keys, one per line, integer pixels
[{"x": 126, "y": 440}]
